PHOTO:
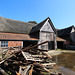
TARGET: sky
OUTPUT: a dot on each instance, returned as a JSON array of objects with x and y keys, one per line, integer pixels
[{"x": 61, "y": 12}]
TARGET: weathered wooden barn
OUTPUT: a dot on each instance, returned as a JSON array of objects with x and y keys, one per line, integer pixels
[
  {"x": 69, "y": 35},
  {"x": 45, "y": 31},
  {"x": 18, "y": 33}
]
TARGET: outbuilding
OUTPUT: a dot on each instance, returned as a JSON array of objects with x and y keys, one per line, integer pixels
[{"x": 18, "y": 33}]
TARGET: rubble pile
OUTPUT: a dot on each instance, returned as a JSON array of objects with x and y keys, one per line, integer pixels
[{"x": 28, "y": 61}]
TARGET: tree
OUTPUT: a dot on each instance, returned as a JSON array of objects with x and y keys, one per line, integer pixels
[{"x": 32, "y": 22}]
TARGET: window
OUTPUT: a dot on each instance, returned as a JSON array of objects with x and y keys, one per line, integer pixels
[{"x": 4, "y": 43}]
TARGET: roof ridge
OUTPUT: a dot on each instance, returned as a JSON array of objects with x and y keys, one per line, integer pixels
[
  {"x": 16, "y": 20},
  {"x": 38, "y": 26},
  {"x": 66, "y": 28}
]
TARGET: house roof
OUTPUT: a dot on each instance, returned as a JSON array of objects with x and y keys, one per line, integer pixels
[
  {"x": 64, "y": 32},
  {"x": 39, "y": 26},
  {"x": 14, "y": 26},
  {"x": 14, "y": 36}
]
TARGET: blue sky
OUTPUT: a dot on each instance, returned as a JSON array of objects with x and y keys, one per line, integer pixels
[{"x": 61, "y": 12}]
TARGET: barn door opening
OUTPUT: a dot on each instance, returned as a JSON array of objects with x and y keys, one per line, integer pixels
[{"x": 51, "y": 45}]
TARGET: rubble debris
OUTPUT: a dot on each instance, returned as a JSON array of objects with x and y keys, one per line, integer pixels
[
  {"x": 2, "y": 72},
  {"x": 26, "y": 61}
]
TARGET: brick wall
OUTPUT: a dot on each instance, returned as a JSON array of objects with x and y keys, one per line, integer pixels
[{"x": 14, "y": 43}]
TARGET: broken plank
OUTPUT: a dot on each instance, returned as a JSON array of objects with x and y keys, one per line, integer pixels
[
  {"x": 39, "y": 56},
  {"x": 40, "y": 65},
  {"x": 2, "y": 72},
  {"x": 29, "y": 57},
  {"x": 26, "y": 70},
  {"x": 45, "y": 64},
  {"x": 20, "y": 70},
  {"x": 28, "y": 48},
  {"x": 30, "y": 71},
  {"x": 47, "y": 55},
  {"x": 46, "y": 70},
  {"x": 35, "y": 45}
]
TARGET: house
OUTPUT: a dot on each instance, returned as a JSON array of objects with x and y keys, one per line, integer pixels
[{"x": 18, "y": 33}]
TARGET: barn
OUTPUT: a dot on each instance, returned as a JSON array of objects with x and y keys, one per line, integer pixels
[
  {"x": 18, "y": 33},
  {"x": 45, "y": 31},
  {"x": 69, "y": 35}
]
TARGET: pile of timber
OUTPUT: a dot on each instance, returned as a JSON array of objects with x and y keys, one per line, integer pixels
[{"x": 28, "y": 61}]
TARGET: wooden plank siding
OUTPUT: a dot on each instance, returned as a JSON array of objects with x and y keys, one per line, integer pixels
[{"x": 47, "y": 34}]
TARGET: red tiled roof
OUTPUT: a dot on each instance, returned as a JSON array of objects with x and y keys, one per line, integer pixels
[{"x": 13, "y": 36}]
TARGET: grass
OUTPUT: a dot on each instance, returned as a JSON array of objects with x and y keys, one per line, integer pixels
[{"x": 65, "y": 50}]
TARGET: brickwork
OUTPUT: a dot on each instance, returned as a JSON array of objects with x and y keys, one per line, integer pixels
[{"x": 14, "y": 43}]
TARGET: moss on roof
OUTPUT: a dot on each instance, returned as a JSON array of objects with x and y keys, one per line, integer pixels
[{"x": 14, "y": 26}]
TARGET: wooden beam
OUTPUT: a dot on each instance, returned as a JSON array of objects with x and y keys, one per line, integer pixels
[
  {"x": 46, "y": 70},
  {"x": 47, "y": 55},
  {"x": 45, "y": 64},
  {"x": 30, "y": 71},
  {"x": 26, "y": 70},
  {"x": 31, "y": 47},
  {"x": 39, "y": 56},
  {"x": 40, "y": 65},
  {"x": 3, "y": 72},
  {"x": 35, "y": 46},
  {"x": 20, "y": 70}
]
